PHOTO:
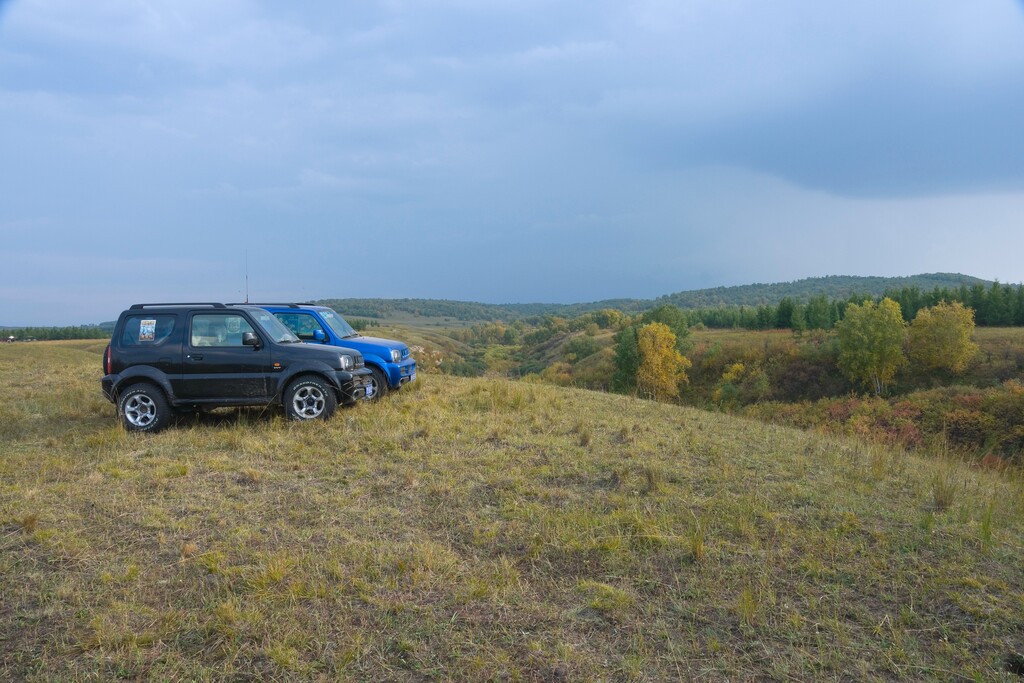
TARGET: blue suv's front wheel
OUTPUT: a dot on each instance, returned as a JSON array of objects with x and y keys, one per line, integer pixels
[{"x": 380, "y": 383}]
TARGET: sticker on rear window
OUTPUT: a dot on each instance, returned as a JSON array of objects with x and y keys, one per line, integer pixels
[{"x": 147, "y": 330}]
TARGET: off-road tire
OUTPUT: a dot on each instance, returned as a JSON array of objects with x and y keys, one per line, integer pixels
[
  {"x": 309, "y": 398},
  {"x": 380, "y": 384},
  {"x": 143, "y": 407}
]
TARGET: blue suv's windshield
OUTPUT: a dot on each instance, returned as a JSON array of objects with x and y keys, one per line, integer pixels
[
  {"x": 275, "y": 328},
  {"x": 337, "y": 323}
]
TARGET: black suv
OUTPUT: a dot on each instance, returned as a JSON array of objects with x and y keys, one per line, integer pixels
[{"x": 164, "y": 358}]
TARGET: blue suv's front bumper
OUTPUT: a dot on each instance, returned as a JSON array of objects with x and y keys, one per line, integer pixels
[{"x": 401, "y": 373}]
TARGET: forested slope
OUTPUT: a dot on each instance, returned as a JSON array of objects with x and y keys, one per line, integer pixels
[{"x": 832, "y": 287}]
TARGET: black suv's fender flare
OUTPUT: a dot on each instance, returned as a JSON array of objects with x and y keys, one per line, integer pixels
[
  {"x": 143, "y": 373},
  {"x": 323, "y": 370}
]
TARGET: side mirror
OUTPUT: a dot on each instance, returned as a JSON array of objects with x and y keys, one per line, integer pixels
[
  {"x": 250, "y": 339},
  {"x": 319, "y": 336}
]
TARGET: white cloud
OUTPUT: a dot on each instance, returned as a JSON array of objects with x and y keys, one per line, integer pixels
[{"x": 205, "y": 35}]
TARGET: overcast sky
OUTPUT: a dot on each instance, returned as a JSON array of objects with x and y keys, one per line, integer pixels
[{"x": 499, "y": 150}]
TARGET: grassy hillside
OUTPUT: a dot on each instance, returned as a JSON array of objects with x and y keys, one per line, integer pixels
[{"x": 475, "y": 529}]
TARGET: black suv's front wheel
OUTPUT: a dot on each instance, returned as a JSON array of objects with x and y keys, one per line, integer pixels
[
  {"x": 309, "y": 398},
  {"x": 143, "y": 408}
]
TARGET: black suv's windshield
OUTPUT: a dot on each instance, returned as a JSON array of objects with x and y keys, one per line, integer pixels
[
  {"x": 275, "y": 328},
  {"x": 337, "y": 323}
]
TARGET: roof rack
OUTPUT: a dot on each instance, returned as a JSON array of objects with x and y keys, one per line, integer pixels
[
  {"x": 252, "y": 303},
  {"x": 182, "y": 303}
]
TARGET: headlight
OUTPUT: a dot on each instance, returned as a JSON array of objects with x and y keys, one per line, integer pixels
[
  {"x": 396, "y": 355},
  {"x": 347, "y": 362}
]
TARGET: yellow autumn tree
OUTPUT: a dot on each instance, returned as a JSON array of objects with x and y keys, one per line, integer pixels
[
  {"x": 727, "y": 392},
  {"x": 871, "y": 342},
  {"x": 661, "y": 367},
  {"x": 940, "y": 337}
]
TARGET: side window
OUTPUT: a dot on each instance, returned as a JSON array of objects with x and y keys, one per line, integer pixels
[
  {"x": 147, "y": 329},
  {"x": 303, "y": 325},
  {"x": 218, "y": 329},
  {"x": 289, "y": 320}
]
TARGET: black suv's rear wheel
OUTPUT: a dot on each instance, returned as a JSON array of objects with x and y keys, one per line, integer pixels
[
  {"x": 380, "y": 384},
  {"x": 309, "y": 398},
  {"x": 143, "y": 408}
]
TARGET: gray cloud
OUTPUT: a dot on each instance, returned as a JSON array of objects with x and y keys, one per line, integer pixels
[{"x": 503, "y": 150}]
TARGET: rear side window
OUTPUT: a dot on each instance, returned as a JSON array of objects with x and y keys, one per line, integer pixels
[
  {"x": 147, "y": 330},
  {"x": 218, "y": 329}
]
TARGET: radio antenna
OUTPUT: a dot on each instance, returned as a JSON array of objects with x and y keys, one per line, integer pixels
[{"x": 246, "y": 276}]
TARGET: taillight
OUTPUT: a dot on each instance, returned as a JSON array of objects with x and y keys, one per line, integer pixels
[{"x": 106, "y": 360}]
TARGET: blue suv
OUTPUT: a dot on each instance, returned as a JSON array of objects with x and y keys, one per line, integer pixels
[{"x": 388, "y": 359}]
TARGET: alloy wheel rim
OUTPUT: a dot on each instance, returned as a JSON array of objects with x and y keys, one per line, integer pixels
[
  {"x": 140, "y": 410},
  {"x": 308, "y": 402}
]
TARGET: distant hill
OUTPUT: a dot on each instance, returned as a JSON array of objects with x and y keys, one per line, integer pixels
[
  {"x": 833, "y": 286},
  {"x": 468, "y": 311}
]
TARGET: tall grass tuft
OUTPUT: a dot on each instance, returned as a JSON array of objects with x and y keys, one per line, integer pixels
[
  {"x": 610, "y": 602},
  {"x": 879, "y": 459},
  {"x": 654, "y": 479},
  {"x": 944, "y": 485},
  {"x": 746, "y": 606},
  {"x": 28, "y": 523},
  {"x": 985, "y": 527},
  {"x": 697, "y": 538}
]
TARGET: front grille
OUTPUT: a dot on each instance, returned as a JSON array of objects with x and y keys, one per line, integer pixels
[{"x": 405, "y": 353}]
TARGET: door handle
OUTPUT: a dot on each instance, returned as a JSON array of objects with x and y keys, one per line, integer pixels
[{"x": 195, "y": 356}]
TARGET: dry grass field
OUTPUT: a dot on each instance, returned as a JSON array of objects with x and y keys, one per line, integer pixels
[{"x": 482, "y": 529}]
